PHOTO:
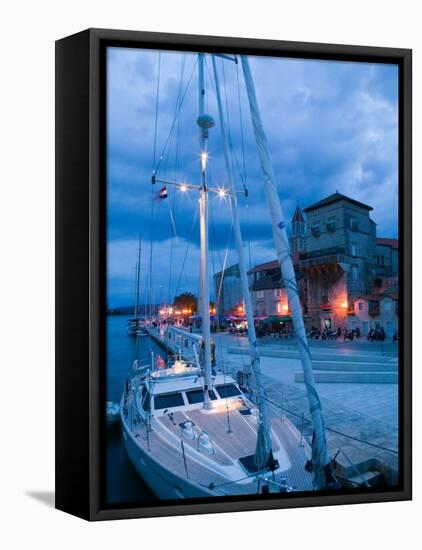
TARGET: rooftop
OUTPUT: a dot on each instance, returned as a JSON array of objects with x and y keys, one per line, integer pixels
[
  {"x": 232, "y": 270},
  {"x": 394, "y": 243},
  {"x": 265, "y": 266},
  {"x": 298, "y": 216},
  {"x": 336, "y": 197}
]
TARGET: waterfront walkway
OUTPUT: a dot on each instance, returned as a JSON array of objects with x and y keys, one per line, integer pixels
[{"x": 361, "y": 419}]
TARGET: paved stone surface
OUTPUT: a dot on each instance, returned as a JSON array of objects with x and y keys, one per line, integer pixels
[{"x": 361, "y": 419}]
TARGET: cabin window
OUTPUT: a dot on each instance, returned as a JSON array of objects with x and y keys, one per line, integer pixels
[
  {"x": 197, "y": 396},
  {"x": 168, "y": 400},
  {"x": 145, "y": 399},
  {"x": 228, "y": 390}
]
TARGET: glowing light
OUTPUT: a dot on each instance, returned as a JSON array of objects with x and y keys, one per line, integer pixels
[
  {"x": 285, "y": 307},
  {"x": 221, "y": 406},
  {"x": 204, "y": 158},
  {"x": 222, "y": 193},
  {"x": 183, "y": 188},
  {"x": 344, "y": 304}
]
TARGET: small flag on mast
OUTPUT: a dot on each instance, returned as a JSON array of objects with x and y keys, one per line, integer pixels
[{"x": 162, "y": 194}]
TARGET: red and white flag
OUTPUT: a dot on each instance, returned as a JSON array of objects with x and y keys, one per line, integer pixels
[{"x": 162, "y": 194}]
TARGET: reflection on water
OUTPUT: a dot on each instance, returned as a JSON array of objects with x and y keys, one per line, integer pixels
[{"x": 123, "y": 482}]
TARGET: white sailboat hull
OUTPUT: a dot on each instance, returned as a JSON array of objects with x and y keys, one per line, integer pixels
[{"x": 163, "y": 483}]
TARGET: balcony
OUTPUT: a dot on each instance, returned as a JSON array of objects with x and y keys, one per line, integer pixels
[{"x": 324, "y": 257}]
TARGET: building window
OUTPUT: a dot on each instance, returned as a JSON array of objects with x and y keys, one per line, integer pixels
[
  {"x": 331, "y": 225},
  {"x": 387, "y": 305},
  {"x": 316, "y": 230},
  {"x": 353, "y": 224},
  {"x": 353, "y": 249},
  {"x": 354, "y": 273},
  {"x": 260, "y": 294},
  {"x": 360, "y": 306}
]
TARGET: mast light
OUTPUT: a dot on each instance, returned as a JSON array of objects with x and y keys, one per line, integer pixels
[{"x": 204, "y": 158}]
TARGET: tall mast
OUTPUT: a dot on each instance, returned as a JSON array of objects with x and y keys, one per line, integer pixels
[
  {"x": 138, "y": 277},
  {"x": 319, "y": 450},
  {"x": 253, "y": 351},
  {"x": 203, "y": 217}
]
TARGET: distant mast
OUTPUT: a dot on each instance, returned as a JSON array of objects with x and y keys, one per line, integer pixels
[
  {"x": 281, "y": 241},
  {"x": 138, "y": 278}
]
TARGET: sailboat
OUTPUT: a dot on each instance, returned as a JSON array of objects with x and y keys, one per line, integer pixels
[
  {"x": 134, "y": 325},
  {"x": 191, "y": 430}
]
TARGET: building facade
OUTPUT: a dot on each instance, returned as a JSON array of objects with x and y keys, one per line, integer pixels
[
  {"x": 343, "y": 262},
  {"x": 227, "y": 289},
  {"x": 269, "y": 297},
  {"x": 346, "y": 276}
]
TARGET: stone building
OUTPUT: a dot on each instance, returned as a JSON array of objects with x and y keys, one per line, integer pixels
[
  {"x": 372, "y": 311},
  {"x": 344, "y": 260},
  {"x": 387, "y": 259},
  {"x": 346, "y": 276},
  {"x": 267, "y": 292}
]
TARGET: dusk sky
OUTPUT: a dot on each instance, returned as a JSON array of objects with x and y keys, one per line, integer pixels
[{"x": 330, "y": 125}]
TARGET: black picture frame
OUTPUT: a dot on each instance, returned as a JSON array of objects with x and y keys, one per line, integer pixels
[{"x": 80, "y": 267}]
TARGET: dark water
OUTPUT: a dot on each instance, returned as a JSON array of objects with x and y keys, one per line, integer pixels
[{"x": 123, "y": 482}]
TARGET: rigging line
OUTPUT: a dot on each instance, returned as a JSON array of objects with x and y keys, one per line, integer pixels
[
  {"x": 176, "y": 169},
  {"x": 156, "y": 168},
  {"x": 222, "y": 264},
  {"x": 309, "y": 421},
  {"x": 228, "y": 117},
  {"x": 233, "y": 152},
  {"x": 172, "y": 219},
  {"x": 215, "y": 94},
  {"x": 186, "y": 251},
  {"x": 157, "y": 102},
  {"x": 242, "y": 137}
]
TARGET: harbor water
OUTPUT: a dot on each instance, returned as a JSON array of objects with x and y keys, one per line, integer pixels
[{"x": 123, "y": 482}]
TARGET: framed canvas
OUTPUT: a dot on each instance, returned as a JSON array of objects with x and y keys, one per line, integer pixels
[{"x": 233, "y": 229}]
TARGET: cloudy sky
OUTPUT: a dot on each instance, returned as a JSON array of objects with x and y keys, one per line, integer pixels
[{"x": 330, "y": 125}]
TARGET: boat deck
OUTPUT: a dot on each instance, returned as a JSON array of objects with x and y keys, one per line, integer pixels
[{"x": 229, "y": 446}]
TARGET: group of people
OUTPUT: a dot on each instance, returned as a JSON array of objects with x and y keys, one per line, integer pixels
[{"x": 377, "y": 333}]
